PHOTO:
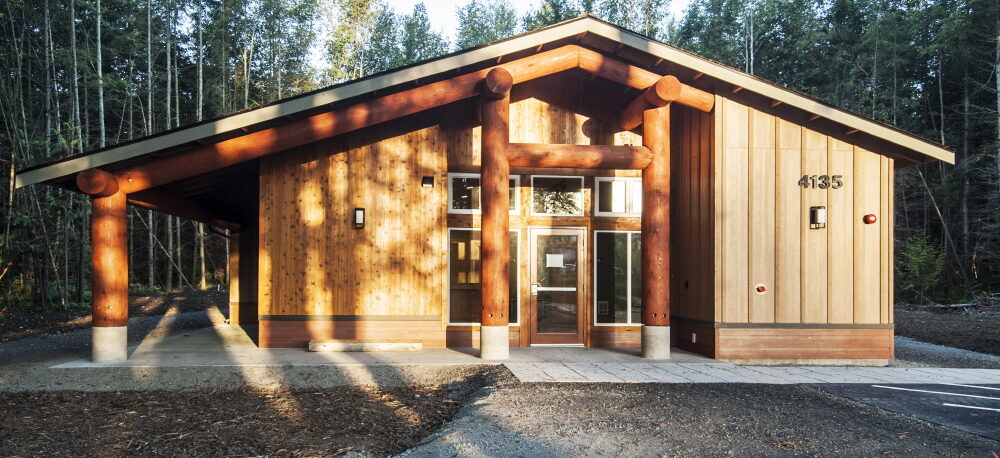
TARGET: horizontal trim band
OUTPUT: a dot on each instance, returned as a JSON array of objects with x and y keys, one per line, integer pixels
[
  {"x": 680, "y": 320},
  {"x": 349, "y": 318}
]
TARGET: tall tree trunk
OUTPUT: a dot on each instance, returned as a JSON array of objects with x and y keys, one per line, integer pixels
[
  {"x": 76, "y": 78},
  {"x": 964, "y": 170},
  {"x": 48, "y": 86},
  {"x": 100, "y": 82},
  {"x": 150, "y": 253},
  {"x": 201, "y": 53},
  {"x": 149, "y": 82},
  {"x": 170, "y": 252},
  {"x": 180, "y": 272},
  {"x": 996, "y": 71}
]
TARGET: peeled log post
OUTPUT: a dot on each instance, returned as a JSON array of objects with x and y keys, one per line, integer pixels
[
  {"x": 109, "y": 263},
  {"x": 578, "y": 156},
  {"x": 666, "y": 90},
  {"x": 655, "y": 258},
  {"x": 494, "y": 335}
]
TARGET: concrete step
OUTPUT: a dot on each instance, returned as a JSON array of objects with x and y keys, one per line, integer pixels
[{"x": 358, "y": 345}]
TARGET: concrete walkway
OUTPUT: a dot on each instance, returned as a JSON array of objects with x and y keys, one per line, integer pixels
[
  {"x": 224, "y": 345},
  {"x": 728, "y": 373}
]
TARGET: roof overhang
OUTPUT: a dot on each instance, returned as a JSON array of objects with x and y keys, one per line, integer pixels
[{"x": 920, "y": 150}]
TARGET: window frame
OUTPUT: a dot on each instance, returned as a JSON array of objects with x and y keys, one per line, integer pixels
[
  {"x": 516, "y": 280},
  {"x": 531, "y": 200},
  {"x": 463, "y": 211},
  {"x": 628, "y": 278},
  {"x": 630, "y": 201}
]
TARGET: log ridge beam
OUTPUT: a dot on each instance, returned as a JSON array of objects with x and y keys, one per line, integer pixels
[{"x": 667, "y": 89}]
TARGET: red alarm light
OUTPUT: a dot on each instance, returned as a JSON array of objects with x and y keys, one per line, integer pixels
[
  {"x": 760, "y": 288},
  {"x": 870, "y": 219}
]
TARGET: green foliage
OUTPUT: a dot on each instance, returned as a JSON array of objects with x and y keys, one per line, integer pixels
[
  {"x": 918, "y": 270},
  {"x": 484, "y": 21}
]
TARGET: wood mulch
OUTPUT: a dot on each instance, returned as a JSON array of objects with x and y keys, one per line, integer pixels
[
  {"x": 318, "y": 422},
  {"x": 14, "y": 327},
  {"x": 975, "y": 328}
]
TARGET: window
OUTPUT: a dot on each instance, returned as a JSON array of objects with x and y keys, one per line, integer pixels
[
  {"x": 556, "y": 195},
  {"x": 618, "y": 196},
  {"x": 464, "y": 190},
  {"x": 465, "y": 300},
  {"x": 617, "y": 278}
]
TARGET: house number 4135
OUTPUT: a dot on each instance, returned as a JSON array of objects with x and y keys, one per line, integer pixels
[{"x": 822, "y": 181}]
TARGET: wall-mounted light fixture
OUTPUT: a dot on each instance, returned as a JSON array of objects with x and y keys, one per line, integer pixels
[
  {"x": 359, "y": 218},
  {"x": 427, "y": 182},
  {"x": 817, "y": 217}
]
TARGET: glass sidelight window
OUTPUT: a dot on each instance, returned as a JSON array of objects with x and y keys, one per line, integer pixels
[
  {"x": 464, "y": 193},
  {"x": 617, "y": 278},
  {"x": 465, "y": 299},
  {"x": 556, "y": 195}
]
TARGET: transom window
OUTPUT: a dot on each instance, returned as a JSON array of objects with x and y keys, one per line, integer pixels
[
  {"x": 616, "y": 196},
  {"x": 465, "y": 299},
  {"x": 464, "y": 191},
  {"x": 556, "y": 195},
  {"x": 617, "y": 278}
]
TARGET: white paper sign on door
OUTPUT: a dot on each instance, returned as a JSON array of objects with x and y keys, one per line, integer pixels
[{"x": 554, "y": 260}]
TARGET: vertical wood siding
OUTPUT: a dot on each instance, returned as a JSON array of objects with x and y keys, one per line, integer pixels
[
  {"x": 838, "y": 275},
  {"x": 693, "y": 241},
  {"x": 313, "y": 261}
]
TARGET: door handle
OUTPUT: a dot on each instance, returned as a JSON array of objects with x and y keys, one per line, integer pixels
[{"x": 534, "y": 289}]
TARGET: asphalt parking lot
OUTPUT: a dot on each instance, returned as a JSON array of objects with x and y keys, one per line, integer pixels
[{"x": 967, "y": 407}]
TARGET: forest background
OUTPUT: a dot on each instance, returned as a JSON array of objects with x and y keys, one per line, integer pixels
[{"x": 79, "y": 75}]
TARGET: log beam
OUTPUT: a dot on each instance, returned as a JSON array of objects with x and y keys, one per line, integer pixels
[
  {"x": 97, "y": 182},
  {"x": 178, "y": 206},
  {"x": 109, "y": 276},
  {"x": 495, "y": 222},
  {"x": 666, "y": 90},
  {"x": 578, "y": 156},
  {"x": 655, "y": 258},
  {"x": 255, "y": 145},
  {"x": 325, "y": 125}
]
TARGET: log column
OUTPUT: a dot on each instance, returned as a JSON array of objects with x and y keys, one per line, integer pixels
[
  {"x": 109, "y": 265},
  {"x": 655, "y": 260},
  {"x": 495, "y": 106}
]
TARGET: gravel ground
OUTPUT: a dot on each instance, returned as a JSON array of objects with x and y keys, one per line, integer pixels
[{"x": 542, "y": 420}]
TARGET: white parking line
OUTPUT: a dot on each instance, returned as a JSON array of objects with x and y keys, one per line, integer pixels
[
  {"x": 935, "y": 392},
  {"x": 970, "y": 407},
  {"x": 972, "y": 386}
]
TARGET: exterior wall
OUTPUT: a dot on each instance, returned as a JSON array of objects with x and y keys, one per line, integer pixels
[
  {"x": 832, "y": 281},
  {"x": 739, "y": 219},
  {"x": 322, "y": 278}
]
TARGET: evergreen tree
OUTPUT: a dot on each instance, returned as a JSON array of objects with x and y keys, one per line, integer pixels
[{"x": 484, "y": 21}]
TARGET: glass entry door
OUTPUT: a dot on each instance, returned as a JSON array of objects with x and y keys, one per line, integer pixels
[{"x": 557, "y": 268}]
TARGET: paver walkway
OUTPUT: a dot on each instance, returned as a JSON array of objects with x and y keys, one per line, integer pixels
[{"x": 719, "y": 372}]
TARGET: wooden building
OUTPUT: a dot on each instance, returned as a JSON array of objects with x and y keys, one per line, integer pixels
[{"x": 576, "y": 185}]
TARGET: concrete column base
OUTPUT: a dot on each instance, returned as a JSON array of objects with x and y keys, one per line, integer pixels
[
  {"x": 110, "y": 344},
  {"x": 494, "y": 342},
  {"x": 656, "y": 342}
]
